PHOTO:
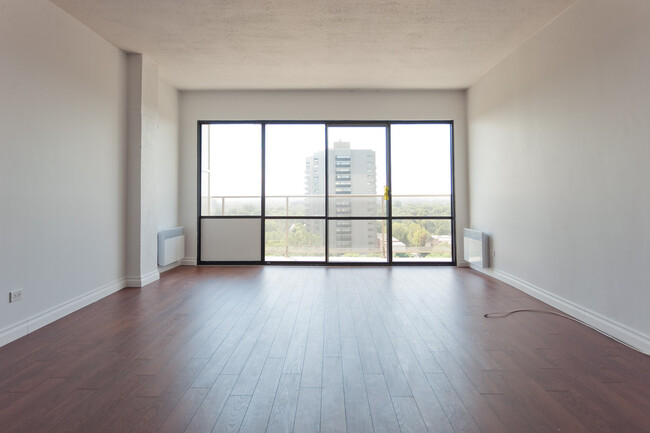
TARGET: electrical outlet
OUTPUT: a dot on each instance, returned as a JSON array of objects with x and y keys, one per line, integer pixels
[{"x": 16, "y": 295}]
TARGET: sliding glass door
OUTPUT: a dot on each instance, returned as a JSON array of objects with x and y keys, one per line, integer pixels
[
  {"x": 294, "y": 195},
  {"x": 357, "y": 208},
  {"x": 421, "y": 199},
  {"x": 325, "y": 192},
  {"x": 229, "y": 191}
]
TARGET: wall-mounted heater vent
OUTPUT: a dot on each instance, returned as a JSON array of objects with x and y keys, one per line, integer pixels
[
  {"x": 171, "y": 246},
  {"x": 477, "y": 249}
]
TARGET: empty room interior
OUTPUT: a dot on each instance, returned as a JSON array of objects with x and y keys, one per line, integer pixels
[{"x": 324, "y": 216}]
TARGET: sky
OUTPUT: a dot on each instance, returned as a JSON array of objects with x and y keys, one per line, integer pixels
[{"x": 420, "y": 156}]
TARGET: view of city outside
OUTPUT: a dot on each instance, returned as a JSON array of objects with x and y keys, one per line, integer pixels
[
  {"x": 231, "y": 172},
  {"x": 287, "y": 149},
  {"x": 421, "y": 187},
  {"x": 295, "y": 193},
  {"x": 357, "y": 177}
]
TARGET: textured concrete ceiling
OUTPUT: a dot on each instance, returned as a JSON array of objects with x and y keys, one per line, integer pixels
[{"x": 318, "y": 44}]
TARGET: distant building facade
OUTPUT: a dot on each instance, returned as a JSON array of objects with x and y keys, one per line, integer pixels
[{"x": 352, "y": 187}]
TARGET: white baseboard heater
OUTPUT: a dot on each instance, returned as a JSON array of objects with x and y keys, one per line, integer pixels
[
  {"x": 171, "y": 246},
  {"x": 476, "y": 248}
]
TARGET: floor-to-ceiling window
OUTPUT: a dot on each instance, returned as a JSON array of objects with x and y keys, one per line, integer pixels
[
  {"x": 230, "y": 192},
  {"x": 421, "y": 192},
  {"x": 358, "y": 210},
  {"x": 294, "y": 200},
  {"x": 326, "y": 192}
]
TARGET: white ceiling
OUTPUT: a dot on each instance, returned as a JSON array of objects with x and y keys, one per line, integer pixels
[{"x": 318, "y": 44}]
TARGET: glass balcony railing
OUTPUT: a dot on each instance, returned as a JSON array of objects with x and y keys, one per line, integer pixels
[
  {"x": 403, "y": 205},
  {"x": 414, "y": 237}
]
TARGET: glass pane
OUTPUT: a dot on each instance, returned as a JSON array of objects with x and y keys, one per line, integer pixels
[
  {"x": 422, "y": 240},
  {"x": 421, "y": 169},
  {"x": 414, "y": 206},
  {"x": 205, "y": 169},
  {"x": 205, "y": 193},
  {"x": 357, "y": 241},
  {"x": 295, "y": 239},
  {"x": 295, "y": 173},
  {"x": 235, "y": 169},
  {"x": 205, "y": 147},
  {"x": 357, "y": 171}
]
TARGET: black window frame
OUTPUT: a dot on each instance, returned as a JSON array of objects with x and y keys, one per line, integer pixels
[{"x": 388, "y": 218}]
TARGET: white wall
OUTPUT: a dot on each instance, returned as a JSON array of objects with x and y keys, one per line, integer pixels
[
  {"x": 559, "y": 162},
  {"x": 62, "y": 165},
  {"x": 313, "y": 105},
  {"x": 167, "y": 158},
  {"x": 152, "y": 198},
  {"x": 149, "y": 146},
  {"x": 167, "y": 162},
  {"x": 143, "y": 147},
  {"x": 134, "y": 168}
]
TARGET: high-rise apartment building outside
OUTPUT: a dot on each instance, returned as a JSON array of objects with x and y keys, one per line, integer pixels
[{"x": 352, "y": 188}]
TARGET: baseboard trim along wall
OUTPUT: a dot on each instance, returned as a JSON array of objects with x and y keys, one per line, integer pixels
[
  {"x": 188, "y": 261},
  {"x": 613, "y": 328},
  {"x": 142, "y": 280},
  {"x": 169, "y": 267},
  {"x": 22, "y": 328}
]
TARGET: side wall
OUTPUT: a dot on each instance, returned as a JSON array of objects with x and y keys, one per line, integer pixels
[
  {"x": 314, "y": 105},
  {"x": 558, "y": 164},
  {"x": 167, "y": 162},
  {"x": 143, "y": 147},
  {"x": 167, "y": 157},
  {"x": 62, "y": 165}
]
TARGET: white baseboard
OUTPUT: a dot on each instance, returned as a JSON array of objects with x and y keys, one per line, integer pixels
[
  {"x": 162, "y": 269},
  {"x": 630, "y": 336},
  {"x": 462, "y": 264},
  {"x": 188, "y": 261},
  {"x": 24, "y": 327},
  {"x": 142, "y": 280},
  {"x": 14, "y": 332}
]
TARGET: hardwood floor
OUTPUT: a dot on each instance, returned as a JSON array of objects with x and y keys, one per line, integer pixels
[{"x": 317, "y": 349}]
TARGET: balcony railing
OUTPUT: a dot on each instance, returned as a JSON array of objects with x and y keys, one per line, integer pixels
[
  {"x": 294, "y": 207},
  {"x": 249, "y": 205}
]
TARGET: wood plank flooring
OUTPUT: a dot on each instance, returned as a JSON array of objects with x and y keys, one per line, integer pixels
[{"x": 318, "y": 349}]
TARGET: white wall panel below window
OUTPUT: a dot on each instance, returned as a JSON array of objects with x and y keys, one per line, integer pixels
[{"x": 231, "y": 240}]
